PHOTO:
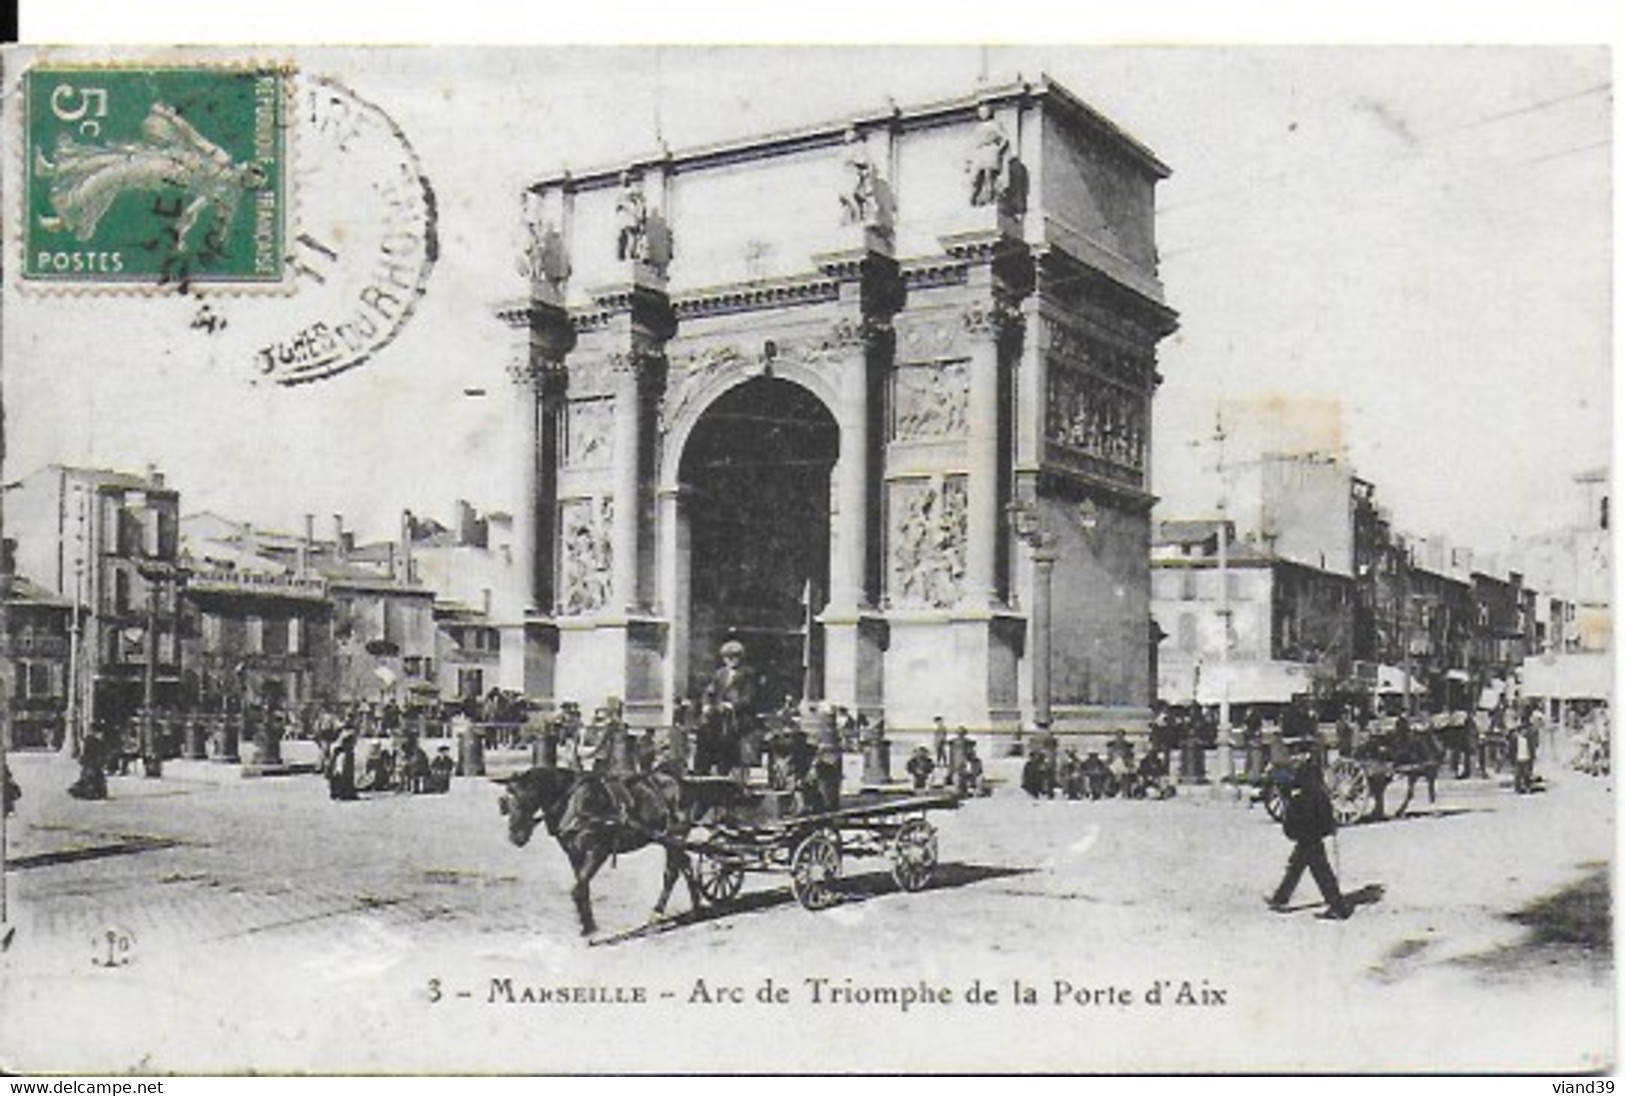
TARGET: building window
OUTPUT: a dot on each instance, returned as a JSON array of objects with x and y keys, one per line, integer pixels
[
  {"x": 253, "y": 636},
  {"x": 470, "y": 683},
  {"x": 1187, "y": 585},
  {"x": 295, "y": 636},
  {"x": 274, "y": 636},
  {"x": 1187, "y": 632}
]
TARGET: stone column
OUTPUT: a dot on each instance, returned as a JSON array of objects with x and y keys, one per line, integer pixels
[
  {"x": 1043, "y": 572},
  {"x": 982, "y": 519},
  {"x": 850, "y": 519},
  {"x": 626, "y": 448},
  {"x": 526, "y": 459},
  {"x": 871, "y": 293},
  {"x": 674, "y": 592}
]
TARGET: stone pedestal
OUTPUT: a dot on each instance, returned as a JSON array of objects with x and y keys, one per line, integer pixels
[
  {"x": 470, "y": 752},
  {"x": 197, "y": 739},
  {"x": 877, "y": 761},
  {"x": 231, "y": 730},
  {"x": 854, "y": 661}
]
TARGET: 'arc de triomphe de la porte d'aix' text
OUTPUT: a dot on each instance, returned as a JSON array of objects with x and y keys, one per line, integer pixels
[{"x": 872, "y": 397}]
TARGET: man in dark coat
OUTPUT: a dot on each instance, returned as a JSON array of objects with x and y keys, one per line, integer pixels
[
  {"x": 920, "y": 766},
  {"x": 340, "y": 767},
  {"x": 9, "y": 791},
  {"x": 1038, "y": 776},
  {"x": 730, "y": 710},
  {"x": 92, "y": 782},
  {"x": 1307, "y": 821}
]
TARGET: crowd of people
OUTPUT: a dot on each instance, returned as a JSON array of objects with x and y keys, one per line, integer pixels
[{"x": 1049, "y": 771}]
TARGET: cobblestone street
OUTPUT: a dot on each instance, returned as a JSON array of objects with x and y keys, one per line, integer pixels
[{"x": 254, "y": 924}]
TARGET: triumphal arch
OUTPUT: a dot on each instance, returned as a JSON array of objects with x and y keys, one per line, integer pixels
[{"x": 873, "y": 398}]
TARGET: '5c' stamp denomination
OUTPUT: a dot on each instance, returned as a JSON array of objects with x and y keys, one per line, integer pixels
[{"x": 162, "y": 176}]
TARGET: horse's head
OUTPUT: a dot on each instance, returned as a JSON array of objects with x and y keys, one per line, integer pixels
[{"x": 536, "y": 795}]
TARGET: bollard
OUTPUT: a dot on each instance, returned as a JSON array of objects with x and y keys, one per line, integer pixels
[
  {"x": 470, "y": 752},
  {"x": 270, "y": 741},
  {"x": 197, "y": 739},
  {"x": 231, "y": 739},
  {"x": 877, "y": 760}
]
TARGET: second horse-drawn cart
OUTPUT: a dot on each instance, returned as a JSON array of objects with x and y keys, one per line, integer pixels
[{"x": 1358, "y": 786}]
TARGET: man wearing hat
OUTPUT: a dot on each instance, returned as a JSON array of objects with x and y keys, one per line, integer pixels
[
  {"x": 730, "y": 706},
  {"x": 440, "y": 770},
  {"x": 1307, "y": 821}
]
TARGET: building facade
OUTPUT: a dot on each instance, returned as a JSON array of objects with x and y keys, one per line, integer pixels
[
  {"x": 1259, "y": 631},
  {"x": 873, "y": 398},
  {"x": 36, "y": 647},
  {"x": 108, "y": 542}
]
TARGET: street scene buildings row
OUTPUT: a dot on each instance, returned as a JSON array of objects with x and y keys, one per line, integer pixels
[
  {"x": 1314, "y": 593},
  {"x": 127, "y": 600}
]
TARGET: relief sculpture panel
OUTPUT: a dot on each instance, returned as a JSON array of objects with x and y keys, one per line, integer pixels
[
  {"x": 1099, "y": 421},
  {"x": 588, "y": 555},
  {"x": 927, "y": 538},
  {"x": 588, "y": 433},
  {"x": 931, "y": 400},
  {"x": 689, "y": 373}
]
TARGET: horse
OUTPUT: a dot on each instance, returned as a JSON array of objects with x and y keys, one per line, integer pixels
[
  {"x": 1415, "y": 755},
  {"x": 592, "y": 821}
]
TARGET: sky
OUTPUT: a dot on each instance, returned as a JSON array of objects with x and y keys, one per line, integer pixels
[{"x": 1402, "y": 255}]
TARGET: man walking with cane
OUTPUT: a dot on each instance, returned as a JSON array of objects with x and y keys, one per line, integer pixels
[{"x": 1307, "y": 822}]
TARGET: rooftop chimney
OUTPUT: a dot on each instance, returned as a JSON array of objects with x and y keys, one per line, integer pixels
[
  {"x": 250, "y": 540},
  {"x": 307, "y": 545},
  {"x": 408, "y": 527},
  {"x": 340, "y": 545}
]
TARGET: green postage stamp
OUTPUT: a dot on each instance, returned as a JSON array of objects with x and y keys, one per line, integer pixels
[{"x": 160, "y": 176}]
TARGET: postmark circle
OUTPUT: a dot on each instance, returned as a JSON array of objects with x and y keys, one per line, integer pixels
[{"x": 365, "y": 242}]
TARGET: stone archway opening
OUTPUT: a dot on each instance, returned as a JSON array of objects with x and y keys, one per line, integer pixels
[{"x": 756, "y": 479}]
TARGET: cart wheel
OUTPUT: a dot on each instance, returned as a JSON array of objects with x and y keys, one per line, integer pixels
[
  {"x": 914, "y": 854},
  {"x": 1352, "y": 798},
  {"x": 718, "y": 880},
  {"x": 814, "y": 869}
]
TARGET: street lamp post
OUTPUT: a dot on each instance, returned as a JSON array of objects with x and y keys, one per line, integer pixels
[
  {"x": 1029, "y": 528},
  {"x": 1028, "y": 524},
  {"x": 151, "y": 761},
  {"x": 1219, "y": 437}
]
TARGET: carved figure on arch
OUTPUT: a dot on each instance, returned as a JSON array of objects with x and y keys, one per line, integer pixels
[
  {"x": 862, "y": 202},
  {"x": 989, "y": 160},
  {"x": 631, "y": 220},
  {"x": 544, "y": 261}
]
